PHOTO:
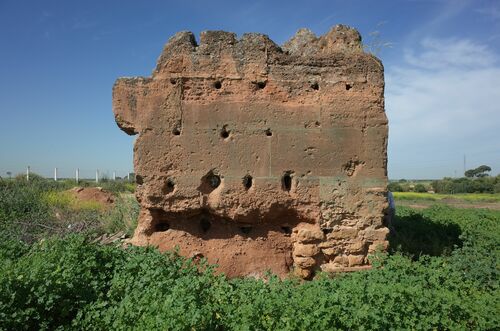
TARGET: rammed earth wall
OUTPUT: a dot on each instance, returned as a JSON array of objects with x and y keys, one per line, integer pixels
[{"x": 260, "y": 157}]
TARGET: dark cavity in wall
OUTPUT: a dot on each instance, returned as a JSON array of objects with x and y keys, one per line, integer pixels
[
  {"x": 162, "y": 226},
  {"x": 286, "y": 181},
  {"x": 209, "y": 182},
  {"x": 260, "y": 85},
  {"x": 224, "y": 133},
  {"x": 286, "y": 229},
  {"x": 169, "y": 186},
  {"x": 205, "y": 224},
  {"x": 247, "y": 182},
  {"x": 246, "y": 229}
]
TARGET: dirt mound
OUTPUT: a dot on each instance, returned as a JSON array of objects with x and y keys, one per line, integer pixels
[{"x": 97, "y": 194}]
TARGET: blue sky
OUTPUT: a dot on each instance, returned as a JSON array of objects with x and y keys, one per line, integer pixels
[{"x": 59, "y": 60}]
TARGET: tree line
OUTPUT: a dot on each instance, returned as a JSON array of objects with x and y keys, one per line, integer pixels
[{"x": 476, "y": 180}]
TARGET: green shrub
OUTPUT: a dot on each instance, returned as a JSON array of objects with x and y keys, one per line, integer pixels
[
  {"x": 395, "y": 187},
  {"x": 420, "y": 188},
  {"x": 416, "y": 233},
  {"x": 443, "y": 277},
  {"x": 20, "y": 200},
  {"x": 46, "y": 287},
  {"x": 35, "y": 209},
  {"x": 10, "y": 249},
  {"x": 466, "y": 185},
  {"x": 122, "y": 217},
  {"x": 153, "y": 291},
  {"x": 22, "y": 210},
  {"x": 496, "y": 188}
]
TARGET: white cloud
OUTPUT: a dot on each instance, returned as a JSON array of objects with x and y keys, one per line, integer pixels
[
  {"x": 442, "y": 103},
  {"x": 446, "y": 53},
  {"x": 492, "y": 12}
]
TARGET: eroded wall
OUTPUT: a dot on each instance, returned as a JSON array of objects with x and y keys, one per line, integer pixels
[{"x": 260, "y": 157}]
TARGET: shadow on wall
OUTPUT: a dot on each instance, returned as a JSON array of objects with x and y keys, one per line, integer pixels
[
  {"x": 204, "y": 225},
  {"x": 416, "y": 235},
  {"x": 238, "y": 248}
]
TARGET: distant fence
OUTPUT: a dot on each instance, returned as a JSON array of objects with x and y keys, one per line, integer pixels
[{"x": 99, "y": 176}]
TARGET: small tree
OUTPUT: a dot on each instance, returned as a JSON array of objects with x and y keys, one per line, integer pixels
[
  {"x": 420, "y": 188},
  {"x": 480, "y": 171},
  {"x": 496, "y": 188},
  {"x": 9, "y": 174},
  {"x": 469, "y": 173},
  {"x": 395, "y": 187}
]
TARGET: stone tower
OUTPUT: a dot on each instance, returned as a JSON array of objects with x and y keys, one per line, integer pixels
[{"x": 260, "y": 157}]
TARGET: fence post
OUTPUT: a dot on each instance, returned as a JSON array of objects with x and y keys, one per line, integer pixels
[
  {"x": 97, "y": 176},
  {"x": 55, "y": 174},
  {"x": 28, "y": 173},
  {"x": 77, "y": 175},
  {"x": 114, "y": 175}
]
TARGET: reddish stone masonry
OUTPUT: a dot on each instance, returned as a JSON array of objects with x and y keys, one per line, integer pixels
[{"x": 260, "y": 157}]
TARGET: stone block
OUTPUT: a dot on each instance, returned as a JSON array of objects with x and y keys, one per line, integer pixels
[
  {"x": 305, "y": 250},
  {"x": 382, "y": 245},
  {"x": 343, "y": 232},
  {"x": 371, "y": 234},
  {"x": 355, "y": 260},
  {"x": 304, "y": 262}
]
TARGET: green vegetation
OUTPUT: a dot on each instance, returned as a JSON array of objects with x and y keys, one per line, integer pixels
[
  {"x": 480, "y": 171},
  {"x": 467, "y": 185},
  {"x": 122, "y": 217},
  {"x": 30, "y": 211},
  {"x": 441, "y": 274},
  {"x": 420, "y": 188},
  {"x": 66, "y": 201},
  {"x": 470, "y": 197},
  {"x": 479, "y": 182}
]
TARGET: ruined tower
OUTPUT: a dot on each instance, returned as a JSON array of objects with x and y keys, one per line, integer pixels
[{"x": 260, "y": 157}]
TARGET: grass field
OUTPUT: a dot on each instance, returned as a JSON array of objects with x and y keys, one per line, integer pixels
[{"x": 469, "y": 197}]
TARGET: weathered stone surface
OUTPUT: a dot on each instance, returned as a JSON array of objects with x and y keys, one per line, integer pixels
[
  {"x": 303, "y": 273},
  {"x": 245, "y": 148},
  {"x": 309, "y": 233},
  {"x": 375, "y": 234},
  {"x": 343, "y": 232},
  {"x": 341, "y": 260},
  {"x": 304, "y": 262},
  {"x": 382, "y": 245},
  {"x": 305, "y": 250},
  {"x": 356, "y": 247},
  {"x": 331, "y": 251},
  {"x": 355, "y": 260}
]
